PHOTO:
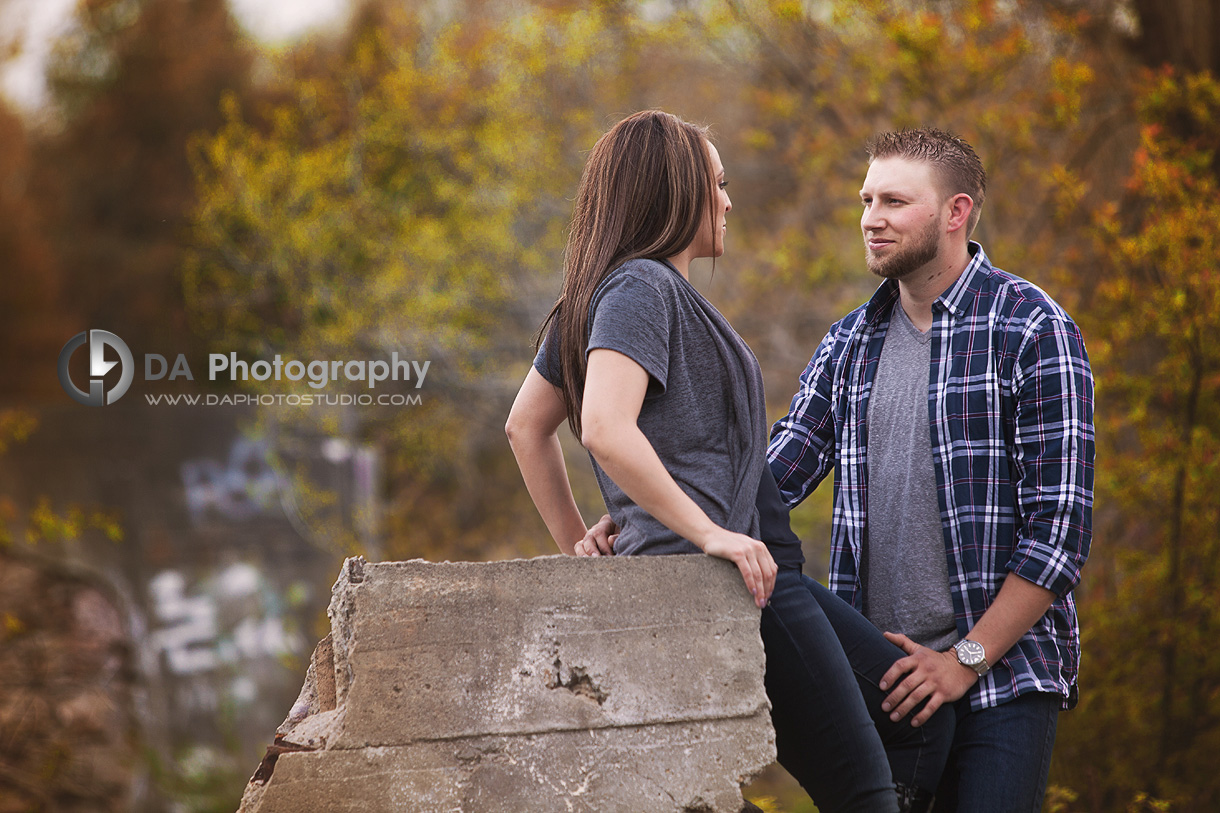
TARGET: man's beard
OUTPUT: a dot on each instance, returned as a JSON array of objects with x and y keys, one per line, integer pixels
[{"x": 901, "y": 262}]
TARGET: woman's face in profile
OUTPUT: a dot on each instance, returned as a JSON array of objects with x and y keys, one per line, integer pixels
[{"x": 709, "y": 241}]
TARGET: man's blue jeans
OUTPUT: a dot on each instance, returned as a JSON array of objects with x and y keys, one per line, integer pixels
[
  {"x": 1001, "y": 756},
  {"x": 824, "y": 661}
]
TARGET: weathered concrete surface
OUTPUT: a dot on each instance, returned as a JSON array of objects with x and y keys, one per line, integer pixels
[{"x": 550, "y": 684}]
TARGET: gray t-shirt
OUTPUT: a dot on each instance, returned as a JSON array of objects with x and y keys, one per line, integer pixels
[
  {"x": 906, "y": 575},
  {"x": 703, "y": 411}
]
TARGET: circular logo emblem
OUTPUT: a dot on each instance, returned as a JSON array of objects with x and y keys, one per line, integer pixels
[{"x": 98, "y": 367}]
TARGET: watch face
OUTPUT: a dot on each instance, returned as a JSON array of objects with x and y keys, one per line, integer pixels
[{"x": 970, "y": 653}]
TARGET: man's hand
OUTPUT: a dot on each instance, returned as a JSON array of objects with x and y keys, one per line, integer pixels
[
  {"x": 936, "y": 676},
  {"x": 599, "y": 540}
]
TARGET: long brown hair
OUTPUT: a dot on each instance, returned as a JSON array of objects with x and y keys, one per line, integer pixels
[{"x": 645, "y": 187}]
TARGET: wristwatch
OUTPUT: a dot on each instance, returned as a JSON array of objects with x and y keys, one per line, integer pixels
[{"x": 972, "y": 655}]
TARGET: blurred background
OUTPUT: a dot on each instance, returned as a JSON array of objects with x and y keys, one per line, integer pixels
[{"x": 345, "y": 180}]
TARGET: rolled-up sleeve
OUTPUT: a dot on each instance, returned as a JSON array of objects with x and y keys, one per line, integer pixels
[{"x": 1053, "y": 456}]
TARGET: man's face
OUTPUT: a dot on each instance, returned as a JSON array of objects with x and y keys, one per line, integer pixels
[{"x": 904, "y": 217}]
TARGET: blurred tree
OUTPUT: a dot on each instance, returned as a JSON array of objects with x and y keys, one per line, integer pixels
[
  {"x": 131, "y": 83},
  {"x": 33, "y": 325},
  {"x": 1156, "y": 542},
  {"x": 1182, "y": 33},
  {"x": 823, "y": 78},
  {"x": 405, "y": 194},
  {"x": 67, "y": 710},
  {"x": 1153, "y": 688}
]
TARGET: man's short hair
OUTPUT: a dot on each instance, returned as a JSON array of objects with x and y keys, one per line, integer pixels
[{"x": 952, "y": 159}]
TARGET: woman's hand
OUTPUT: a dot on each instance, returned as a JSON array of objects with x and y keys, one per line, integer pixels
[
  {"x": 751, "y": 557},
  {"x": 599, "y": 540}
]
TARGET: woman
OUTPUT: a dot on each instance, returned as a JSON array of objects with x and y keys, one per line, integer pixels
[{"x": 668, "y": 400}]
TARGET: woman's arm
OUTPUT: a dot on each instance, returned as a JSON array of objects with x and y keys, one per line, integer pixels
[
  {"x": 614, "y": 392},
  {"x": 532, "y": 431}
]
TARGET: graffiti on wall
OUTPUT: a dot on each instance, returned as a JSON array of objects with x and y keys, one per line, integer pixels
[
  {"x": 243, "y": 486},
  {"x": 236, "y": 615}
]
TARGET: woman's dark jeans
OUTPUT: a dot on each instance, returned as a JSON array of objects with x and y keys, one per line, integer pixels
[{"x": 824, "y": 661}]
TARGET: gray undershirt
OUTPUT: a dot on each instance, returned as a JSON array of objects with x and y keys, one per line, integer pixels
[{"x": 904, "y": 566}]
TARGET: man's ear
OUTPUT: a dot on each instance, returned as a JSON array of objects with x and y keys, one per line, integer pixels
[{"x": 960, "y": 207}]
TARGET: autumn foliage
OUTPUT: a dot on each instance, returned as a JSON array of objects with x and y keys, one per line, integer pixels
[
  {"x": 404, "y": 186},
  {"x": 1152, "y": 690}
]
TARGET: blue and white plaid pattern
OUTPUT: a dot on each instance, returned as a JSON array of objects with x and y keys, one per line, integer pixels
[{"x": 1010, "y": 400}]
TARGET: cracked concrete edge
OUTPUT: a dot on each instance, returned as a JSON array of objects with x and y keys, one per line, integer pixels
[
  {"x": 564, "y": 772},
  {"x": 330, "y": 678},
  {"x": 317, "y": 692},
  {"x": 342, "y": 611}
]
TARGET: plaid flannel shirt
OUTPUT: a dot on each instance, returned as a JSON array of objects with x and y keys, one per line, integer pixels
[{"x": 1010, "y": 400}]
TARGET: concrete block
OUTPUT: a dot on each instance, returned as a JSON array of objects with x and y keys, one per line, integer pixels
[{"x": 550, "y": 684}]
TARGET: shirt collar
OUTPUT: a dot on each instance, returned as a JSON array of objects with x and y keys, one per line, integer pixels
[
  {"x": 883, "y": 298},
  {"x": 955, "y": 300},
  {"x": 961, "y": 293}
]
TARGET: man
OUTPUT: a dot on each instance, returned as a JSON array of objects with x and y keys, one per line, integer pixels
[{"x": 956, "y": 410}]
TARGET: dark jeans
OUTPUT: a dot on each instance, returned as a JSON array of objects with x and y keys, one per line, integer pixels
[
  {"x": 1000, "y": 756},
  {"x": 824, "y": 661}
]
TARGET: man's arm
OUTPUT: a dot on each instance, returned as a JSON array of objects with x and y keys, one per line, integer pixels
[
  {"x": 937, "y": 676},
  {"x": 802, "y": 447},
  {"x": 1053, "y": 466},
  {"x": 1053, "y": 457}
]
